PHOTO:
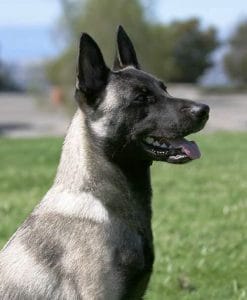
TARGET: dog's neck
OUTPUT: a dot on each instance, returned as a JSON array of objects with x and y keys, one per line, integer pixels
[{"x": 83, "y": 167}]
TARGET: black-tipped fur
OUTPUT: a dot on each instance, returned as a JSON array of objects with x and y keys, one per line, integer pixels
[
  {"x": 91, "y": 236},
  {"x": 92, "y": 70},
  {"x": 125, "y": 53}
]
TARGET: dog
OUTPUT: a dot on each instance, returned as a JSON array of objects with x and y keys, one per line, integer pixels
[{"x": 90, "y": 237}]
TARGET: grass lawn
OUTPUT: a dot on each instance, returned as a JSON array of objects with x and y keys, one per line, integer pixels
[{"x": 199, "y": 213}]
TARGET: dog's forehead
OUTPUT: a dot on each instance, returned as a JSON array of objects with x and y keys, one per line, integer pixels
[
  {"x": 123, "y": 84},
  {"x": 132, "y": 77}
]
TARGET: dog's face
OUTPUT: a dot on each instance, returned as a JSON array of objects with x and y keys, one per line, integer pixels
[{"x": 129, "y": 113}]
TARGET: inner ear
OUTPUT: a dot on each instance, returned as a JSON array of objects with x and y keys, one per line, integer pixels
[
  {"x": 92, "y": 72},
  {"x": 126, "y": 55}
]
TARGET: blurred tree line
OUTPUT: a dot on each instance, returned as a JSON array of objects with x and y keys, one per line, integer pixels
[
  {"x": 178, "y": 52},
  {"x": 7, "y": 83},
  {"x": 236, "y": 59}
]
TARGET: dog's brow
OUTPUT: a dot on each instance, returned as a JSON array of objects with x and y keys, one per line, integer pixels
[{"x": 142, "y": 90}]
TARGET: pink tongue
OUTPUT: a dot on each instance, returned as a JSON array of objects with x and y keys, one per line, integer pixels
[{"x": 189, "y": 148}]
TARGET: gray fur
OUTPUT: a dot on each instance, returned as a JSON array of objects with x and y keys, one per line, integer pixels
[
  {"x": 72, "y": 257},
  {"x": 90, "y": 237}
]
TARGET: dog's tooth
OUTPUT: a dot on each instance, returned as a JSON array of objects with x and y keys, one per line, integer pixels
[
  {"x": 163, "y": 145},
  {"x": 156, "y": 143}
]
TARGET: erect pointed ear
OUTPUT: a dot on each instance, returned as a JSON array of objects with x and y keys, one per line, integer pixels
[
  {"x": 126, "y": 55},
  {"x": 92, "y": 72}
]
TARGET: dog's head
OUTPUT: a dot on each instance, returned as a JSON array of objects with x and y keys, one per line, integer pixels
[{"x": 129, "y": 112}]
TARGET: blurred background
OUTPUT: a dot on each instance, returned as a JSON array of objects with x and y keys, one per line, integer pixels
[{"x": 199, "y": 48}]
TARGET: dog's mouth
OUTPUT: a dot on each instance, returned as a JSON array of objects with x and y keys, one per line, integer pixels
[{"x": 176, "y": 151}]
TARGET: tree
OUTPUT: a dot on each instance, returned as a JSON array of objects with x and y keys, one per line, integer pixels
[
  {"x": 191, "y": 50},
  {"x": 176, "y": 52},
  {"x": 100, "y": 19},
  {"x": 7, "y": 83},
  {"x": 235, "y": 60}
]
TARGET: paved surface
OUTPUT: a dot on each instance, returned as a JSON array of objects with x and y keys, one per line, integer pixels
[
  {"x": 25, "y": 116},
  {"x": 227, "y": 112},
  {"x": 22, "y": 115}
]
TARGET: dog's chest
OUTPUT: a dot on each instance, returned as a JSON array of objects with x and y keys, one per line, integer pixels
[
  {"x": 135, "y": 259},
  {"x": 131, "y": 236},
  {"x": 132, "y": 250},
  {"x": 132, "y": 259}
]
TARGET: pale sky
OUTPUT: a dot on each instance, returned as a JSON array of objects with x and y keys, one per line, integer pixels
[
  {"x": 25, "y": 25},
  {"x": 221, "y": 13},
  {"x": 28, "y": 12},
  {"x": 224, "y": 14}
]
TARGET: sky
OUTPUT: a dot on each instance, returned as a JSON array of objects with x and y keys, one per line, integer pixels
[
  {"x": 224, "y": 14},
  {"x": 28, "y": 12},
  {"x": 27, "y": 23},
  {"x": 43, "y": 12}
]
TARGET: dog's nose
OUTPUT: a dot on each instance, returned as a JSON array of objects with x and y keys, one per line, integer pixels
[{"x": 201, "y": 111}]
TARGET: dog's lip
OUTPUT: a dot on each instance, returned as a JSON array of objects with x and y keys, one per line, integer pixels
[{"x": 177, "y": 150}]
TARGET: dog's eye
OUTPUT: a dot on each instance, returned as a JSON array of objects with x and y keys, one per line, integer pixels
[
  {"x": 144, "y": 99},
  {"x": 140, "y": 99}
]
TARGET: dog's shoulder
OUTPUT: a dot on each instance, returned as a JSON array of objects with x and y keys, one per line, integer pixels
[{"x": 83, "y": 205}]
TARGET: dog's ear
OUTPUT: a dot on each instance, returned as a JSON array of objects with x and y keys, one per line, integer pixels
[
  {"x": 92, "y": 72},
  {"x": 126, "y": 55}
]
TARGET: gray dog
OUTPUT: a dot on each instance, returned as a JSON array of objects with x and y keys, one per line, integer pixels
[{"x": 90, "y": 237}]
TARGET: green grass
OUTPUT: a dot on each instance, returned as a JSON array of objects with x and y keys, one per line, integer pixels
[{"x": 199, "y": 213}]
